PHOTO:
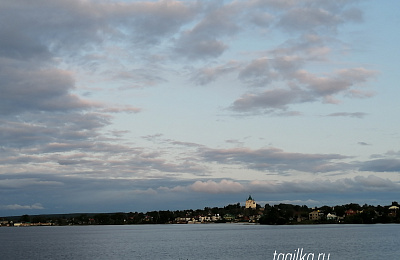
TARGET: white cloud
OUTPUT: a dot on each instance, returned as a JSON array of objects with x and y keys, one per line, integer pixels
[{"x": 19, "y": 207}]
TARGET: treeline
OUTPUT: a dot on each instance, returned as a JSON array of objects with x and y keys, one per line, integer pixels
[
  {"x": 121, "y": 218},
  {"x": 280, "y": 214},
  {"x": 349, "y": 213}
]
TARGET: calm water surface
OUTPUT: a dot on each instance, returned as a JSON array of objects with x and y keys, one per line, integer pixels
[{"x": 200, "y": 241}]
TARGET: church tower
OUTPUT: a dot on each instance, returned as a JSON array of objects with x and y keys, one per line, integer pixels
[{"x": 250, "y": 203}]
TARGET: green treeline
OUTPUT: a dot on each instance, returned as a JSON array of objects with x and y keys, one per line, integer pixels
[{"x": 280, "y": 214}]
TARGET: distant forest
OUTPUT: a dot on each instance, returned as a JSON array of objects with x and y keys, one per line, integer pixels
[{"x": 281, "y": 214}]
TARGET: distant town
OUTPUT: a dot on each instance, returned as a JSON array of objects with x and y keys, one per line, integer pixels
[{"x": 251, "y": 212}]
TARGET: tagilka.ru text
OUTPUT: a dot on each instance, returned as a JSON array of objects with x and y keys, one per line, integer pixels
[{"x": 299, "y": 254}]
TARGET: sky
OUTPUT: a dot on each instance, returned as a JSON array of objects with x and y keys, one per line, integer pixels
[{"x": 124, "y": 106}]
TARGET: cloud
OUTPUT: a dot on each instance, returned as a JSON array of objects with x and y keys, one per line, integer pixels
[
  {"x": 381, "y": 165},
  {"x": 26, "y": 182},
  {"x": 373, "y": 182},
  {"x": 209, "y": 74},
  {"x": 355, "y": 114},
  {"x": 30, "y": 89},
  {"x": 305, "y": 18},
  {"x": 305, "y": 88},
  {"x": 44, "y": 128},
  {"x": 148, "y": 191},
  {"x": 205, "y": 39},
  {"x": 193, "y": 29},
  {"x": 258, "y": 72},
  {"x": 224, "y": 186},
  {"x": 23, "y": 207},
  {"x": 293, "y": 202},
  {"x": 57, "y": 57},
  {"x": 275, "y": 160},
  {"x": 343, "y": 185},
  {"x": 316, "y": 15},
  {"x": 199, "y": 49},
  {"x": 150, "y": 22},
  {"x": 87, "y": 22},
  {"x": 270, "y": 100},
  {"x": 126, "y": 109},
  {"x": 340, "y": 81}
]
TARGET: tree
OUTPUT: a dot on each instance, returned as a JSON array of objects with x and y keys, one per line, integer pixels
[{"x": 25, "y": 218}]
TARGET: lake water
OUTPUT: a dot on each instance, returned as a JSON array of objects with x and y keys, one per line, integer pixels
[{"x": 201, "y": 241}]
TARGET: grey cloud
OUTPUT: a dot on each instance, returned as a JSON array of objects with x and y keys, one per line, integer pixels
[
  {"x": 294, "y": 53},
  {"x": 53, "y": 24},
  {"x": 313, "y": 23},
  {"x": 353, "y": 14},
  {"x": 20, "y": 134},
  {"x": 309, "y": 88},
  {"x": 381, "y": 165},
  {"x": 94, "y": 156},
  {"x": 319, "y": 15},
  {"x": 355, "y": 114},
  {"x": 45, "y": 128},
  {"x": 23, "y": 207},
  {"x": 149, "y": 76},
  {"x": 275, "y": 160},
  {"x": 210, "y": 74},
  {"x": 271, "y": 99},
  {"x": 276, "y": 4},
  {"x": 15, "y": 183},
  {"x": 262, "y": 19},
  {"x": 151, "y": 22},
  {"x": 259, "y": 71},
  {"x": 199, "y": 48},
  {"x": 342, "y": 185},
  {"x": 91, "y": 193},
  {"x": 204, "y": 40},
  {"x": 152, "y": 137},
  {"x": 374, "y": 182},
  {"x": 15, "y": 45},
  {"x": 187, "y": 144},
  {"x": 224, "y": 186},
  {"x": 126, "y": 109},
  {"x": 359, "y": 183},
  {"x": 73, "y": 162},
  {"x": 340, "y": 82},
  {"x": 69, "y": 28},
  {"x": 304, "y": 18},
  {"x": 37, "y": 90}
]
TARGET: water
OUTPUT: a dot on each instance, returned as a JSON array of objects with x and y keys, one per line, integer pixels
[{"x": 200, "y": 241}]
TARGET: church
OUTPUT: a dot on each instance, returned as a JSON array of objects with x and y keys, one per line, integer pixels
[{"x": 250, "y": 203}]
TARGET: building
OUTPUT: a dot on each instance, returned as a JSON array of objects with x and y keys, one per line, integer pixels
[
  {"x": 331, "y": 217},
  {"x": 250, "y": 203},
  {"x": 314, "y": 215},
  {"x": 350, "y": 212},
  {"x": 393, "y": 211}
]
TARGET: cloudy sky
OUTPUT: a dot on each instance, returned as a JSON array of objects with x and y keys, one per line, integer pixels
[{"x": 152, "y": 105}]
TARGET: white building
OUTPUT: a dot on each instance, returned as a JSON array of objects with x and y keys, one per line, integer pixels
[
  {"x": 250, "y": 203},
  {"x": 331, "y": 217}
]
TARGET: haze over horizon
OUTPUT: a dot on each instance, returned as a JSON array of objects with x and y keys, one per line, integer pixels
[{"x": 118, "y": 105}]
